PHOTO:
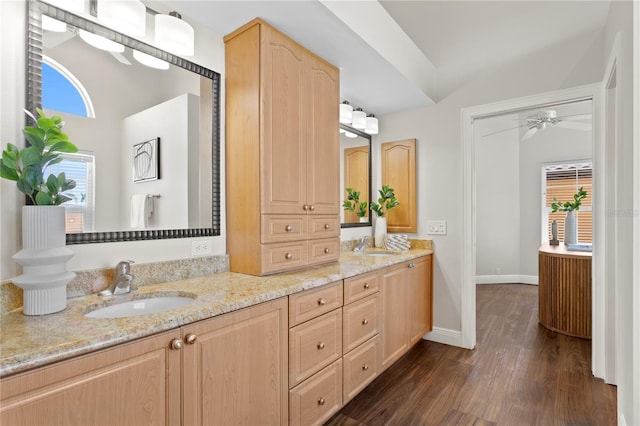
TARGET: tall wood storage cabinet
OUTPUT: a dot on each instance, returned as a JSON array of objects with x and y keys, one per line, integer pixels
[{"x": 282, "y": 153}]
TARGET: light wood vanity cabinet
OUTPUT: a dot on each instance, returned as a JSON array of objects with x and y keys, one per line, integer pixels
[
  {"x": 228, "y": 370},
  {"x": 282, "y": 153}
]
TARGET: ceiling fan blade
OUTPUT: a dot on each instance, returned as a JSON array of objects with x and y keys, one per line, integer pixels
[
  {"x": 529, "y": 133},
  {"x": 503, "y": 130},
  {"x": 574, "y": 125},
  {"x": 576, "y": 117}
]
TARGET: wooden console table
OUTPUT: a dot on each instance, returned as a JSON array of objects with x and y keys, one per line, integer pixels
[{"x": 564, "y": 290}]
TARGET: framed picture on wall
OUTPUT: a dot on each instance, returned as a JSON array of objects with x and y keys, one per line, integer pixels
[{"x": 146, "y": 160}]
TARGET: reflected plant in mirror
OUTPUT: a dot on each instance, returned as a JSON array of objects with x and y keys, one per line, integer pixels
[
  {"x": 355, "y": 175},
  {"x": 353, "y": 203},
  {"x": 113, "y": 101}
]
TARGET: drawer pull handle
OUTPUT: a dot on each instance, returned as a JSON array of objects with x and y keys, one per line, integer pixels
[
  {"x": 366, "y": 285},
  {"x": 322, "y": 302},
  {"x": 288, "y": 256},
  {"x": 365, "y": 367},
  {"x": 312, "y": 207},
  {"x": 321, "y": 401},
  {"x": 190, "y": 339},
  {"x": 176, "y": 344},
  {"x": 326, "y": 250},
  {"x": 326, "y": 226},
  {"x": 365, "y": 321},
  {"x": 288, "y": 228},
  {"x": 321, "y": 345},
  {"x": 412, "y": 265}
]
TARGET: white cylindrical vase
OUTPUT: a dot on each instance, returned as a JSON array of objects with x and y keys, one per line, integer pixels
[
  {"x": 44, "y": 258},
  {"x": 570, "y": 234},
  {"x": 380, "y": 231}
]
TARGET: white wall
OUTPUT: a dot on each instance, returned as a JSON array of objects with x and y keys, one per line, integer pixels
[{"x": 437, "y": 131}]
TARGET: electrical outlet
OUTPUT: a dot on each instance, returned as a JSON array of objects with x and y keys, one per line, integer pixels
[
  {"x": 437, "y": 227},
  {"x": 200, "y": 248}
]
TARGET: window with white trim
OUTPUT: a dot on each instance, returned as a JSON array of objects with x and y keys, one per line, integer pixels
[{"x": 562, "y": 180}]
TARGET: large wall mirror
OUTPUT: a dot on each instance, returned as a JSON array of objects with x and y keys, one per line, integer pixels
[
  {"x": 148, "y": 138},
  {"x": 355, "y": 172}
]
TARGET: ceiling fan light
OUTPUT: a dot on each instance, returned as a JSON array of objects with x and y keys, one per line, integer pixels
[
  {"x": 100, "y": 42},
  {"x": 371, "y": 125},
  {"x": 150, "y": 61},
  {"x": 173, "y": 34},
  {"x": 359, "y": 119},
  {"x": 125, "y": 16},
  {"x": 346, "y": 113},
  {"x": 50, "y": 24}
]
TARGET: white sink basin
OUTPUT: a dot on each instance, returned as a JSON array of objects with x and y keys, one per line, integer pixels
[{"x": 138, "y": 307}]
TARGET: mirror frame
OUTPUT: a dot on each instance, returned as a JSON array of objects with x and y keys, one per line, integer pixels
[
  {"x": 35, "y": 10},
  {"x": 368, "y": 137}
]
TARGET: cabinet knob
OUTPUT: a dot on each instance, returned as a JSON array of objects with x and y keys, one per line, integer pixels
[
  {"x": 365, "y": 321},
  {"x": 288, "y": 256},
  {"x": 321, "y": 345},
  {"x": 190, "y": 339},
  {"x": 322, "y": 302},
  {"x": 412, "y": 265},
  {"x": 366, "y": 285},
  {"x": 176, "y": 344},
  {"x": 326, "y": 226},
  {"x": 365, "y": 367},
  {"x": 305, "y": 207},
  {"x": 312, "y": 207},
  {"x": 288, "y": 228},
  {"x": 321, "y": 401},
  {"x": 326, "y": 250}
]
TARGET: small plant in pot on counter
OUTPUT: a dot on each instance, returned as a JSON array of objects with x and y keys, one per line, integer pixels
[
  {"x": 27, "y": 166},
  {"x": 386, "y": 201},
  {"x": 353, "y": 202}
]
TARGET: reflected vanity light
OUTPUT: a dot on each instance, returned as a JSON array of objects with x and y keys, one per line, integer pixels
[
  {"x": 100, "y": 42},
  {"x": 150, "y": 61},
  {"x": 50, "y": 24},
  {"x": 173, "y": 34},
  {"x": 76, "y": 6},
  {"x": 350, "y": 134},
  {"x": 125, "y": 16}
]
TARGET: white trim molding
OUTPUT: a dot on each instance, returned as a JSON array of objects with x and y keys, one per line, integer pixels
[
  {"x": 444, "y": 336},
  {"x": 468, "y": 255},
  {"x": 507, "y": 279}
]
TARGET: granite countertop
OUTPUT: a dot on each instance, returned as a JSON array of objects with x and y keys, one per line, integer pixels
[{"x": 31, "y": 341}]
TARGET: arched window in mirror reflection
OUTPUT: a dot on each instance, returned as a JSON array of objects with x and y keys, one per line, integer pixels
[
  {"x": 79, "y": 211},
  {"x": 63, "y": 92}
]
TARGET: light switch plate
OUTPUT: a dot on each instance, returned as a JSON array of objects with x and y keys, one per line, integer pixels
[{"x": 437, "y": 227}]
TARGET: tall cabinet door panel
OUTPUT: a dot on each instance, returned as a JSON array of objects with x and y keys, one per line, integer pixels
[
  {"x": 394, "y": 293},
  {"x": 421, "y": 296},
  {"x": 323, "y": 158},
  {"x": 284, "y": 142},
  {"x": 235, "y": 369}
]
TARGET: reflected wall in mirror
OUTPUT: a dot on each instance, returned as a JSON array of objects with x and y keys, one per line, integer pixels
[
  {"x": 355, "y": 173},
  {"x": 111, "y": 102}
]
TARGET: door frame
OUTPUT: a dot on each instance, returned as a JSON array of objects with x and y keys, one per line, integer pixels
[{"x": 593, "y": 92}]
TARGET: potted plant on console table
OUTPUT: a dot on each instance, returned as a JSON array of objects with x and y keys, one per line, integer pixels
[
  {"x": 386, "y": 202},
  {"x": 44, "y": 254},
  {"x": 570, "y": 235}
]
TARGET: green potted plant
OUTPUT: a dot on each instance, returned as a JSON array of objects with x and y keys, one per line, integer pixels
[
  {"x": 44, "y": 254},
  {"x": 570, "y": 207},
  {"x": 353, "y": 203},
  {"x": 386, "y": 201}
]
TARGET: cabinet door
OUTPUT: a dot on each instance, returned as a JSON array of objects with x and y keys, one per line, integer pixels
[
  {"x": 323, "y": 142},
  {"x": 131, "y": 384},
  {"x": 395, "y": 304},
  {"x": 235, "y": 372},
  {"x": 420, "y": 297},
  {"x": 399, "y": 172},
  {"x": 283, "y": 149}
]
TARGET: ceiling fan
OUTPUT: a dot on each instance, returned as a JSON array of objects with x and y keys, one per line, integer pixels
[{"x": 549, "y": 118}]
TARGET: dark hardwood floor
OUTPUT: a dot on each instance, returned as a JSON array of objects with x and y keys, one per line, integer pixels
[{"x": 519, "y": 374}]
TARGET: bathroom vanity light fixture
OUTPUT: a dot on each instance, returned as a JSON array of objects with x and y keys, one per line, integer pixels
[
  {"x": 100, "y": 42},
  {"x": 358, "y": 119},
  {"x": 173, "y": 34},
  {"x": 346, "y": 112},
  {"x": 150, "y": 61},
  {"x": 371, "y": 125},
  {"x": 125, "y": 16}
]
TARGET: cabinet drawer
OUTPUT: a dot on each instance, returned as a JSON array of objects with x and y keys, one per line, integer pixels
[
  {"x": 361, "y": 366},
  {"x": 360, "y": 286},
  {"x": 323, "y": 226},
  {"x": 311, "y": 303},
  {"x": 322, "y": 251},
  {"x": 314, "y": 345},
  {"x": 283, "y": 256},
  {"x": 281, "y": 228},
  {"x": 361, "y": 321},
  {"x": 315, "y": 400}
]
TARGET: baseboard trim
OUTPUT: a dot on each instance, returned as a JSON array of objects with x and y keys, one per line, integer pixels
[
  {"x": 507, "y": 279},
  {"x": 445, "y": 336}
]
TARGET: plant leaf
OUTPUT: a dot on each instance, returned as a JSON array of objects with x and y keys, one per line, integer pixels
[
  {"x": 8, "y": 172},
  {"x": 34, "y": 136},
  {"x": 43, "y": 199}
]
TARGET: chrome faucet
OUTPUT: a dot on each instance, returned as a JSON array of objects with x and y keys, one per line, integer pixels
[
  {"x": 122, "y": 278},
  {"x": 361, "y": 245}
]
